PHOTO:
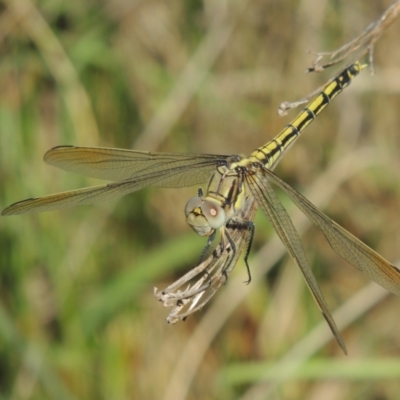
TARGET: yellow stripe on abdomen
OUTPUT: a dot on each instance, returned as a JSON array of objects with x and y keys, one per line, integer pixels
[{"x": 270, "y": 153}]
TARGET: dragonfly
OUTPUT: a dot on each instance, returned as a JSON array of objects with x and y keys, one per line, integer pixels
[{"x": 232, "y": 181}]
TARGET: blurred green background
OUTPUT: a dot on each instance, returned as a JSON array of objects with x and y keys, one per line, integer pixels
[{"x": 78, "y": 319}]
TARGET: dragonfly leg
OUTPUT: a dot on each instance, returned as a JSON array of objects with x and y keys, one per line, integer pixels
[
  {"x": 206, "y": 249},
  {"x": 225, "y": 234},
  {"x": 249, "y": 226}
]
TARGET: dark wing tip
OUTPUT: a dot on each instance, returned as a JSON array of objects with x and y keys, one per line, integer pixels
[
  {"x": 49, "y": 153},
  {"x": 13, "y": 209},
  {"x": 5, "y": 212}
]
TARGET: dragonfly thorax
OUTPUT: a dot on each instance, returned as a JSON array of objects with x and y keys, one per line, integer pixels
[
  {"x": 204, "y": 216},
  {"x": 225, "y": 196}
]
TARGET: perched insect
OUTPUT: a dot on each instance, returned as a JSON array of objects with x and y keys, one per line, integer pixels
[{"x": 232, "y": 180}]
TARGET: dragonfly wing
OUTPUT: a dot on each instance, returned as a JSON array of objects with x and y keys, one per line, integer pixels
[
  {"x": 344, "y": 243},
  {"x": 121, "y": 164},
  {"x": 276, "y": 213},
  {"x": 67, "y": 199},
  {"x": 178, "y": 176}
]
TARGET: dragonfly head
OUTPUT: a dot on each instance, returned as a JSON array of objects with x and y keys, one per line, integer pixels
[{"x": 204, "y": 216}]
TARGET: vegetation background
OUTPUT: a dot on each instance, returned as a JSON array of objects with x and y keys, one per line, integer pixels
[{"x": 78, "y": 319}]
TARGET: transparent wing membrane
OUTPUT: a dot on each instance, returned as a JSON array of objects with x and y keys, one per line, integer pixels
[
  {"x": 343, "y": 242},
  {"x": 280, "y": 220},
  {"x": 178, "y": 172},
  {"x": 120, "y": 164},
  {"x": 233, "y": 182}
]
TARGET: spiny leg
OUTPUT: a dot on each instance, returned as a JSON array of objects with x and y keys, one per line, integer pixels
[
  {"x": 249, "y": 226},
  {"x": 206, "y": 249},
  {"x": 225, "y": 234}
]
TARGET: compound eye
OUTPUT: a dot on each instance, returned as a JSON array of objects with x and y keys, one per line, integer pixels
[
  {"x": 214, "y": 213},
  {"x": 192, "y": 204}
]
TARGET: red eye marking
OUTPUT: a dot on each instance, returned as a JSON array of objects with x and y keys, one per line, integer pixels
[{"x": 213, "y": 212}]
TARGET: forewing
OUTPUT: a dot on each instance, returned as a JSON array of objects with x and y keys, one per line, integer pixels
[
  {"x": 344, "y": 243},
  {"x": 68, "y": 199},
  {"x": 276, "y": 213},
  {"x": 74, "y": 198},
  {"x": 120, "y": 164},
  {"x": 180, "y": 175}
]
